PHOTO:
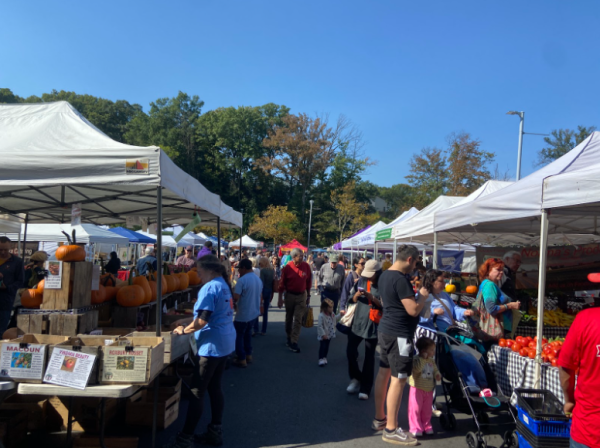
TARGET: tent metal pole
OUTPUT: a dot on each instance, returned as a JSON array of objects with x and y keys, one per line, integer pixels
[
  {"x": 395, "y": 250},
  {"x": 541, "y": 295},
  {"x": 25, "y": 238},
  {"x": 219, "y": 237},
  {"x": 159, "y": 259},
  {"x": 435, "y": 249}
]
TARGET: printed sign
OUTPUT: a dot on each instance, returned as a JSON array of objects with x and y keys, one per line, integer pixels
[
  {"x": 76, "y": 214},
  {"x": 125, "y": 365},
  {"x": 54, "y": 278},
  {"x": 22, "y": 362},
  {"x": 137, "y": 166},
  {"x": 69, "y": 368}
]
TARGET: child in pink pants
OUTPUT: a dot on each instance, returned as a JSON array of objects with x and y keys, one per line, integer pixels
[{"x": 422, "y": 382}]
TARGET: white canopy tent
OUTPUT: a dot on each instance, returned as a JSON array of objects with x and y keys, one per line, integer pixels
[
  {"x": 364, "y": 240},
  {"x": 9, "y": 224},
  {"x": 385, "y": 233},
  {"x": 247, "y": 242},
  {"x": 422, "y": 222},
  {"x": 85, "y": 234},
  {"x": 167, "y": 240}
]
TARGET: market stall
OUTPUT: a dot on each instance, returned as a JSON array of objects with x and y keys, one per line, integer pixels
[
  {"x": 290, "y": 246},
  {"x": 99, "y": 181},
  {"x": 246, "y": 242}
]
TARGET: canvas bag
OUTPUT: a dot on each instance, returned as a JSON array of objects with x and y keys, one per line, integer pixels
[
  {"x": 308, "y": 321},
  {"x": 490, "y": 326}
]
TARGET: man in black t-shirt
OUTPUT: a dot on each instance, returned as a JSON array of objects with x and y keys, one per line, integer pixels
[{"x": 396, "y": 331}]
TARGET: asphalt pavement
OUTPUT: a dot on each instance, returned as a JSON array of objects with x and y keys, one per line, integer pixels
[{"x": 285, "y": 399}]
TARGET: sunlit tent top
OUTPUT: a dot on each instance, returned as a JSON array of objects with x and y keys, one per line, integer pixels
[
  {"x": 422, "y": 222},
  {"x": 84, "y": 233},
  {"x": 364, "y": 240},
  {"x": 516, "y": 209},
  {"x": 52, "y": 157},
  {"x": 9, "y": 224},
  {"x": 246, "y": 242},
  {"x": 385, "y": 233}
]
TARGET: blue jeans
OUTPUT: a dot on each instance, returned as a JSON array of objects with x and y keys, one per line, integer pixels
[
  {"x": 333, "y": 295},
  {"x": 243, "y": 338},
  {"x": 4, "y": 320},
  {"x": 577, "y": 445},
  {"x": 266, "y": 301}
]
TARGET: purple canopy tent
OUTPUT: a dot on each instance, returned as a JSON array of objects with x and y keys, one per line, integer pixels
[{"x": 338, "y": 246}]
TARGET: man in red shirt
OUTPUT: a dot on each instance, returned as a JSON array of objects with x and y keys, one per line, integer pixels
[
  {"x": 295, "y": 283},
  {"x": 581, "y": 350}
]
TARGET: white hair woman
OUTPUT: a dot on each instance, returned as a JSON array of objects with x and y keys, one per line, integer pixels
[{"x": 267, "y": 276}]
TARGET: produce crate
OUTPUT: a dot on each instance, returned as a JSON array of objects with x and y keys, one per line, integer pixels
[
  {"x": 23, "y": 360},
  {"x": 13, "y": 428},
  {"x": 58, "y": 322},
  {"x": 91, "y": 345},
  {"x": 542, "y": 413},
  {"x": 33, "y": 323},
  {"x": 175, "y": 345},
  {"x": 76, "y": 289},
  {"x": 539, "y": 442},
  {"x": 140, "y": 405},
  {"x": 132, "y": 360}
]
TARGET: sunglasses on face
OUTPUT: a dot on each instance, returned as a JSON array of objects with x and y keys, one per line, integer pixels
[{"x": 362, "y": 264}]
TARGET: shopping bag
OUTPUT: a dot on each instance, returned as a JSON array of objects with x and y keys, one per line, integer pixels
[
  {"x": 308, "y": 320},
  {"x": 345, "y": 323}
]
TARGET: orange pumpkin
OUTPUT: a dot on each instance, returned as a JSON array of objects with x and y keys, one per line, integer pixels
[
  {"x": 31, "y": 298},
  {"x": 184, "y": 281},
  {"x": 71, "y": 251},
  {"x": 169, "y": 280},
  {"x": 131, "y": 295},
  {"x": 142, "y": 281},
  {"x": 194, "y": 278},
  {"x": 110, "y": 292},
  {"x": 153, "y": 289},
  {"x": 471, "y": 289},
  {"x": 40, "y": 285},
  {"x": 99, "y": 296}
]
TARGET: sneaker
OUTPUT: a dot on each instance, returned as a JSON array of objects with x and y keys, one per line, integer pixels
[
  {"x": 429, "y": 432},
  {"x": 288, "y": 342},
  {"x": 181, "y": 441},
  {"x": 294, "y": 347},
  {"x": 416, "y": 434},
  {"x": 325, "y": 359},
  {"x": 240, "y": 363},
  {"x": 353, "y": 387},
  {"x": 378, "y": 425},
  {"x": 362, "y": 396},
  {"x": 399, "y": 437},
  {"x": 322, "y": 362},
  {"x": 436, "y": 413},
  {"x": 249, "y": 359},
  {"x": 213, "y": 436}
]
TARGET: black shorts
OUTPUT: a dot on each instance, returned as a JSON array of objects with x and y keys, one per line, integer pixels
[{"x": 396, "y": 354}]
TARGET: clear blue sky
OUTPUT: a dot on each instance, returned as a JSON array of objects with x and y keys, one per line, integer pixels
[{"x": 408, "y": 73}]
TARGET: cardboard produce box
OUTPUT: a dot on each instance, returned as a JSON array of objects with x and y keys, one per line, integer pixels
[
  {"x": 132, "y": 360},
  {"x": 24, "y": 359},
  {"x": 175, "y": 345}
]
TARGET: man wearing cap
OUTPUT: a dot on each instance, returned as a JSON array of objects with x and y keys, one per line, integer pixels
[
  {"x": 331, "y": 279},
  {"x": 142, "y": 263},
  {"x": 187, "y": 260},
  {"x": 11, "y": 279}
]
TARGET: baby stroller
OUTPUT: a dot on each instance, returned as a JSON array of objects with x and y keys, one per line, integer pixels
[{"x": 461, "y": 393}]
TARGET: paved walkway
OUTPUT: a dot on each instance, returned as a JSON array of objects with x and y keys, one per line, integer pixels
[{"x": 285, "y": 400}]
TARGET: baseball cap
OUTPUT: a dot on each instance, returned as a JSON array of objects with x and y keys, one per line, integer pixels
[
  {"x": 371, "y": 267},
  {"x": 189, "y": 248},
  {"x": 334, "y": 258}
]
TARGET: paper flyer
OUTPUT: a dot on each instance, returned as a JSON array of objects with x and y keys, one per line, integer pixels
[
  {"x": 25, "y": 362},
  {"x": 125, "y": 365},
  {"x": 69, "y": 368},
  {"x": 54, "y": 278}
]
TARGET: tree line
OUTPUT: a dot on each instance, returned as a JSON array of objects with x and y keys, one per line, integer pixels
[{"x": 269, "y": 162}]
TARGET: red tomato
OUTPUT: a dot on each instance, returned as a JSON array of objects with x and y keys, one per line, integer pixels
[
  {"x": 531, "y": 353},
  {"x": 547, "y": 349},
  {"x": 545, "y": 358},
  {"x": 531, "y": 344},
  {"x": 555, "y": 352},
  {"x": 551, "y": 357},
  {"x": 510, "y": 343},
  {"x": 520, "y": 340},
  {"x": 524, "y": 352},
  {"x": 529, "y": 339},
  {"x": 502, "y": 342},
  {"x": 554, "y": 362},
  {"x": 516, "y": 348}
]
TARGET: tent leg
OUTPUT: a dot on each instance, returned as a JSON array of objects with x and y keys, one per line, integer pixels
[
  {"x": 375, "y": 251},
  {"x": 435, "y": 249},
  {"x": 25, "y": 237},
  {"x": 158, "y": 296},
  {"x": 219, "y": 237},
  {"x": 541, "y": 295},
  {"x": 395, "y": 250}
]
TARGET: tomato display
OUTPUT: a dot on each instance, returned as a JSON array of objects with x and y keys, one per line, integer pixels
[
  {"x": 554, "y": 362},
  {"x": 524, "y": 352},
  {"x": 502, "y": 343},
  {"x": 531, "y": 353},
  {"x": 510, "y": 343},
  {"x": 516, "y": 347}
]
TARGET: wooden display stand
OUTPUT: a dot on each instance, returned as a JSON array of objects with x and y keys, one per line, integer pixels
[
  {"x": 76, "y": 289},
  {"x": 59, "y": 324}
]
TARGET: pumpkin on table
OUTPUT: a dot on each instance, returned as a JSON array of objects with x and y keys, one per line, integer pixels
[
  {"x": 142, "y": 281},
  {"x": 184, "y": 281},
  {"x": 471, "y": 289},
  {"x": 99, "y": 295},
  {"x": 194, "y": 278},
  {"x": 32, "y": 298},
  {"x": 71, "y": 251},
  {"x": 170, "y": 280},
  {"x": 131, "y": 295},
  {"x": 450, "y": 289}
]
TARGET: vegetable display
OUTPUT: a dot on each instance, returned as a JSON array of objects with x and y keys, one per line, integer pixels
[{"x": 71, "y": 251}]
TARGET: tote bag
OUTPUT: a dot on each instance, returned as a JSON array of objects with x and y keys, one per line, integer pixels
[{"x": 489, "y": 327}]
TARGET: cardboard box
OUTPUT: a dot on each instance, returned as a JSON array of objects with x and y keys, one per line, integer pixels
[
  {"x": 175, "y": 345},
  {"x": 76, "y": 291},
  {"x": 132, "y": 360},
  {"x": 24, "y": 359}
]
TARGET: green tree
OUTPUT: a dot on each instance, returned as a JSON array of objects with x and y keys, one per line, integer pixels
[
  {"x": 275, "y": 224},
  {"x": 467, "y": 164},
  {"x": 349, "y": 213},
  {"x": 399, "y": 197},
  {"x": 561, "y": 142},
  {"x": 429, "y": 175}
]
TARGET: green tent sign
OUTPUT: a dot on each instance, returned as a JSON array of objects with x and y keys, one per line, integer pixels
[{"x": 384, "y": 234}]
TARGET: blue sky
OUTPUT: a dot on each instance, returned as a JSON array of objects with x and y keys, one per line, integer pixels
[{"x": 407, "y": 73}]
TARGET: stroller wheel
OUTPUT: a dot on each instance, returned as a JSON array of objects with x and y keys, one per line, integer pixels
[
  {"x": 511, "y": 440},
  {"x": 475, "y": 441}
]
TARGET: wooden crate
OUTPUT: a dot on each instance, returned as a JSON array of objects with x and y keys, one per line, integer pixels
[
  {"x": 132, "y": 360},
  {"x": 91, "y": 345},
  {"x": 33, "y": 323},
  {"x": 109, "y": 442},
  {"x": 140, "y": 406},
  {"x": 13, "y": 428},
  {"x": 34, "y": 344},
  {"x": 73, "y": 324},
  {"x": 76, "y": 289},
  {"x": 112, "y": 331},
  {"x": 175, "y": 345}
]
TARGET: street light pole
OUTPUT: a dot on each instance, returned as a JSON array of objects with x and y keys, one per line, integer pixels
[
  {"x": 521, "y": 125},
  {"x": 309, "y": 224}
]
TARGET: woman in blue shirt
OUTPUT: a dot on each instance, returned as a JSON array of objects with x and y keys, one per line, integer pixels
[{"x": 214, "y": 332}]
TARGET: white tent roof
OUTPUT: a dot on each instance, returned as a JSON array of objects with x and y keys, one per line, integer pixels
[
  {"x": 381, "y": 235},
  {"x": 422, "y": 222},
  {"x": 512, "y": 214},
  {"x": 246, "y": 242},
  {"x": 85, "y": 233},
  {"x": 191, "y": 239},
  {"x": 167, "y": 240},
  {"x": 9, "y": 224},
  {"x": 53, "y": 157},
  {"x": 365, "y": 239}
]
